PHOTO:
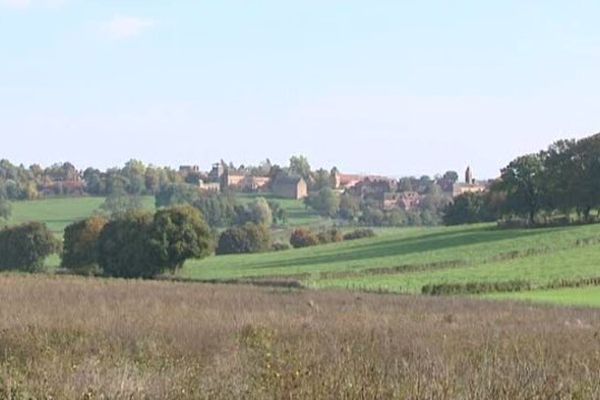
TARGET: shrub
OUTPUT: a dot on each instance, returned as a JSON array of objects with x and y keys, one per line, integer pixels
[
  {"x": 279, "y": 246},
  {"x": 475, "y": 287},
  {"x": 359, "y": 234},
  {"x": 303, "y": 238},
  {"x": 330, "y": 236},
  {"x": 80, "y": 248},
  {"x": 25, "y": 247},
  {"x": 250, "y": 238}
]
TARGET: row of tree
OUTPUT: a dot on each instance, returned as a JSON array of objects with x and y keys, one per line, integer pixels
[{"x": 547, "y": 187}]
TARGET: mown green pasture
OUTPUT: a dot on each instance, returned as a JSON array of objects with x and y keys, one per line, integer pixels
[
  {"x": 404, "y": 260},
  {"x": 57, "y": 213}
]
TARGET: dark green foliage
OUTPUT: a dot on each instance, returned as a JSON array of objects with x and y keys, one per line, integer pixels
[
  {"x": 249, "y": 238},
  {"x": 125, "y": 248},
  {"x": 180, "y": 233},
  {"x": 25, "y": 247},
  {"x": 303, "y": 238},
  {"x": 141, "y": 245},
  {"x": 80, "y": 245},
  {"x": 469, "y": 208},
  {"x": 522, "y": 181},
  {"x": 359, "y": 234}
]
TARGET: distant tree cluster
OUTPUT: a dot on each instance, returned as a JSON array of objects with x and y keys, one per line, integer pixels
[
  {"x": 555, "y": 186},
  {"x": 18, "y": 182}
]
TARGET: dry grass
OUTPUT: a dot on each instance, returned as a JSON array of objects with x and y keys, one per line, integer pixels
[{"x": 72, "y": 338}]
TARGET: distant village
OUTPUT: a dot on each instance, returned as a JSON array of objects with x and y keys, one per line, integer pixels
[{"x": 388, "y": 192}]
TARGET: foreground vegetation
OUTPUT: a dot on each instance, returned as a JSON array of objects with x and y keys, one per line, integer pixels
[{"x": 82, "y": 338}]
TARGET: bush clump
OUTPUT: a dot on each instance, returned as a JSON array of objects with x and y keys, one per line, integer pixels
[
  {"x": 80, "y": 247},
  {"x": 25, "y": 247},
  {"x": 249, "y": 238},
  {"x": 332, "y": 235},
  {"x": 303, "y": 238},
  {"x": 359, "y": 234},
  {"x": 444, "y": 289},
  {"x": 280, "y": 246}
]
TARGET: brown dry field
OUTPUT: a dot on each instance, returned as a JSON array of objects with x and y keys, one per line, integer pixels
[{"x": 76, "y": 338}]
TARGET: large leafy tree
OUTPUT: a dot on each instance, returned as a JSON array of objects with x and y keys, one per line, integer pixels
[
  {"x": 25, "y": 247},
  {"x": 125, "y": 247},
  {"x": 299, "y": 166},
  {"x": 523, "y": 182},
  {"x": 468, "y": 208},
  {"x": 180, "y": 233},
  {"x": 80, "y": 245}
]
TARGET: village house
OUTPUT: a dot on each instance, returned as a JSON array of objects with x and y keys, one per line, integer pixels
[{"x": 290, "y": 187}]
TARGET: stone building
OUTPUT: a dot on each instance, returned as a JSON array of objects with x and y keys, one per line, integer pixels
[{"x": 290, "y": 187}]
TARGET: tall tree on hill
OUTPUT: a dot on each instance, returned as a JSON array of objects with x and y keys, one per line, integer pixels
[
  {"x": 523, "y": 180},
  {"x": 180, "y": 233}
]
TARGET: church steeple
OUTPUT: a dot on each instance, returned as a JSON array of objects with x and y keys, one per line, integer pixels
[{"x": 469, "y": 175}]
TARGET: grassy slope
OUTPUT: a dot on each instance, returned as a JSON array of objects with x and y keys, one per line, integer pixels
[
  {"x": 407, "y": 259},
  {"x": 57, "y": 213}
]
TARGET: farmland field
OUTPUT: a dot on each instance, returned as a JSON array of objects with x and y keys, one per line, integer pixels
[
  {"x": 77, "y": 338},
  {"x": 399, "y": 260}
]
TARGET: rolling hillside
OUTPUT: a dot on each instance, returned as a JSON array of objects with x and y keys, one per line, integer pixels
[{"x": 403, "y": 261}]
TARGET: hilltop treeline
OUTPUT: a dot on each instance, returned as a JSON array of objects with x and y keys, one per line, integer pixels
[
  {"x": 558, "y": 185},
  {"x": 18, "y": 182}
]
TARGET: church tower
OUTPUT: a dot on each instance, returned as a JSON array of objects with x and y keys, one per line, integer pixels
[{"x": 469, "y": 176}]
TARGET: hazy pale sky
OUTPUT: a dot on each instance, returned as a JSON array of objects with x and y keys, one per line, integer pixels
[{"x": 382, "y": 86}]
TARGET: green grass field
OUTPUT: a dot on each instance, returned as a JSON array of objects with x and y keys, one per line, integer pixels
[
  {"x": 403, "y": 260},
  {"x": 57, "y": 213}
]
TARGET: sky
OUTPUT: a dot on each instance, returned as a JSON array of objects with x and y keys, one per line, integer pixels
[{"x": 383, "y": 86}]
